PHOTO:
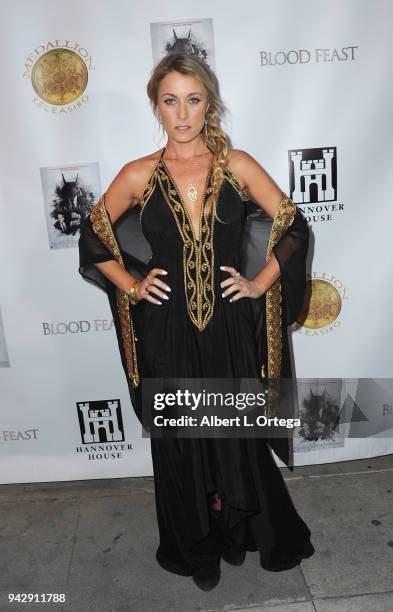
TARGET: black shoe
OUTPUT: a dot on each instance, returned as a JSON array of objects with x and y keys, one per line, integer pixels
[
  {"x": 207, "y": 579},
  {"x": 234, "y": 555}
]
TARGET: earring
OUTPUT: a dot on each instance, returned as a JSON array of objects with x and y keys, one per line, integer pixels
[{"x": 205, "y": 129}]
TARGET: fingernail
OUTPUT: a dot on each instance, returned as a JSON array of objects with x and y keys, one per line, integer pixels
[
  {"x": 221, "y": 267},
  {"x": 166, "y": 297},
  {"x": 230, "y": 300},
  {"x": 158, "y": 302},
  {"x": 168, "y": 288},
  {"x": 164, "y": 272},
  {"x": 223, "y": 294}
]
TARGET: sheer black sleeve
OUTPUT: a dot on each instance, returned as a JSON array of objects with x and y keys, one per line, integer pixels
[
  {"x": 291, "y": 253},
  {"x": 91, "y": 251},
  {"x": 287, "y": 237},
  {"x": 133, "y": 247}
]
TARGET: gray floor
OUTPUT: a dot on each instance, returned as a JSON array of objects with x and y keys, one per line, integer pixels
[{"x": 95, "y": 541}]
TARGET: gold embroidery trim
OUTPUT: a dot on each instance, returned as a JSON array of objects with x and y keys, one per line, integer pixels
[
  {"x": 102, "y": 226},
  {"x": 148, "y": 189},
  {"x": 235, "y": 183},
  {"x": 283, "y": 218},
  {"x": 198, "y": 256}
]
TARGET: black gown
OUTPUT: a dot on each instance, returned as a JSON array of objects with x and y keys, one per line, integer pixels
[{"x": 195, "y": 334}]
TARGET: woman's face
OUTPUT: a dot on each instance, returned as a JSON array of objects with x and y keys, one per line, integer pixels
[{"x": 182, "y": 101}]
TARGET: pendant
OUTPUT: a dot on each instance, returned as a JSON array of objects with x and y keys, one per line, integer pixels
[{"x": 192, "y": 192}]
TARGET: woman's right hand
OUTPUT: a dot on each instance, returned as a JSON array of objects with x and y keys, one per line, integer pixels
[{"x": 151, "y": 287}]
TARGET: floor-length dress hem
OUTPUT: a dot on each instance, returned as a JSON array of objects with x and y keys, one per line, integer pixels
[
  {"x": 219, "y": 538},
  {"x": 169, "y": 566},
  {"x": 291, "y": 562},
  {"x": 308, "y": 551}
]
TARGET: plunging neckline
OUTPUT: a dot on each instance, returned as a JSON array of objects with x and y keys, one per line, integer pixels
[{"x": 184, "y": 205}]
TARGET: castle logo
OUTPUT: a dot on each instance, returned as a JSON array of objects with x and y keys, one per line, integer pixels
[
  {"x": 313, "y": 182},
  {"x": 100, "y": 421},
  {"x": 313, "y": 175}
]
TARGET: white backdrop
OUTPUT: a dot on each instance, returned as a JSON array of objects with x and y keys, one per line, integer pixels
[{"x": 296, "y": 77}]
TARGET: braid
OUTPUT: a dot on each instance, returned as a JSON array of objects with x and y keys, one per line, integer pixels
[{"x": 217, "y": 141}]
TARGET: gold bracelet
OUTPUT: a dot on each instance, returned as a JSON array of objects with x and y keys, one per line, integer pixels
[{"x": 132, "y": 293}]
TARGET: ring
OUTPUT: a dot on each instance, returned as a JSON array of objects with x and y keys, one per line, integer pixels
[{"x": 237, "y": 275}]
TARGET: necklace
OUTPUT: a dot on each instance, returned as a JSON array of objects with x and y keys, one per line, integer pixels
[{"x": 192, "y": 192}]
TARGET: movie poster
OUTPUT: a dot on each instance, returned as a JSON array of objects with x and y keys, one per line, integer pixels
[
  {"x": 69, "y": 193},
  {"x": 190, "y": 36}
]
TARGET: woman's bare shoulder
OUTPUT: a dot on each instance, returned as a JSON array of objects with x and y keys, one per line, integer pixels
[
  {"x": 135, "y": 174},
  {"x": 243, "y": 165},
  {"x": 237, "y": 159},
  {"x": 138, "y": 171},
  {"x": 127, "y": 187},
  {"x": 256, "y": 183}
]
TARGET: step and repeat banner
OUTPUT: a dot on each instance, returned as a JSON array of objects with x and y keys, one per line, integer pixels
[{"x": 309, "y": 94}]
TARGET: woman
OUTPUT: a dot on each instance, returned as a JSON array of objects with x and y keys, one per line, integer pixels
[{"x": 182, "y": 308}]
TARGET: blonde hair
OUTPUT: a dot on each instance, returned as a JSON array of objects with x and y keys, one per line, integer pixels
[{"x": 213, "y": 135}]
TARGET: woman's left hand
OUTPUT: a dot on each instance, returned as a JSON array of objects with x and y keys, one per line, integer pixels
[{"x": 237, "y": 286}]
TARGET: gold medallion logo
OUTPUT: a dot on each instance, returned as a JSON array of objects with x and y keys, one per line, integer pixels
[
  {"x": 59, "y": 72},
  {"x": 59, "y": 76},
  {"x": 322, "y": 305}
]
